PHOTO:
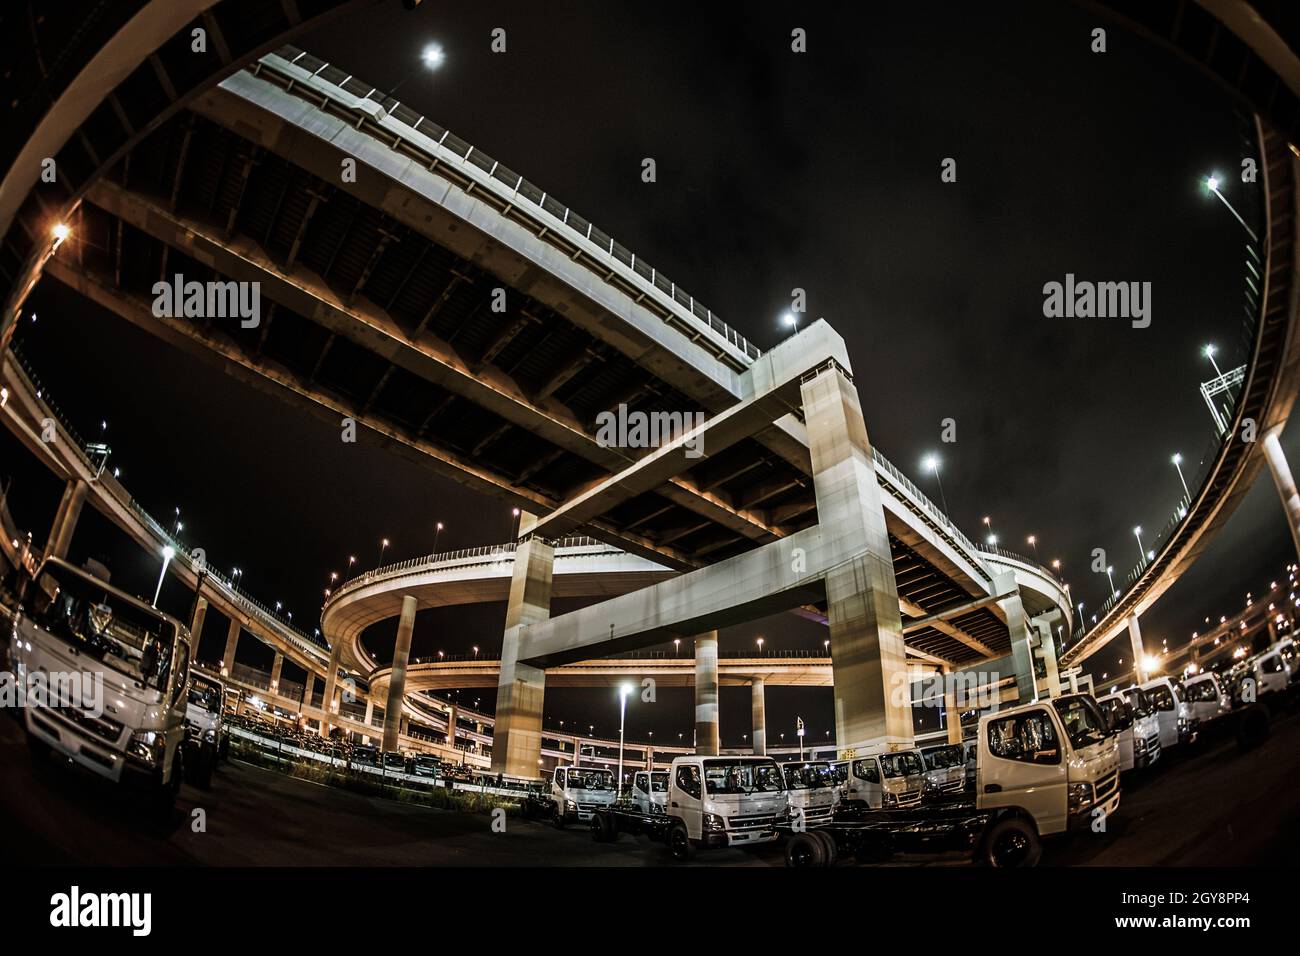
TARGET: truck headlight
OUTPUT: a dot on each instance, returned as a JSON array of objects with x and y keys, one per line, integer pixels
[
  {"x": 209, "y": 736},
  {"x": 890, "y": 800},
  {"x": 148, "y": 746},
  {"x": 570, "y": 806},
  {"x": 1139, "y": 743},
  {"x": 1080, "y": 796},
  {"x": 714, "y": 822}
]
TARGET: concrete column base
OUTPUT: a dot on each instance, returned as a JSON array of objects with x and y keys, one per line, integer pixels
[
  {"x": 706, "y": 694},
  {"x": 393, "y": 719}
]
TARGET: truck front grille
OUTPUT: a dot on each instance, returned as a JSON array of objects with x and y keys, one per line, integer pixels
[
  {"x": 103, "y": 727},
  {"x": 756, "y": 821},
  {"x": 1107, "y": 785}
]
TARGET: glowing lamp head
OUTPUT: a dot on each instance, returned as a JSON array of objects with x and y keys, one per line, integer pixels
[
  {"x": 432, "y": 56},
  {"x": 1177, "y": 459},
  {"x": 169, "y": 552},
  {"x": 930, "y": 463}
]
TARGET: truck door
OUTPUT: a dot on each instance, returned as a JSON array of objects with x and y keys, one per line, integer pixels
[
  {"x": 1025, "y": 767},
  {"x": 685, "y": 799},
  {"x": 864, "y": 782}
]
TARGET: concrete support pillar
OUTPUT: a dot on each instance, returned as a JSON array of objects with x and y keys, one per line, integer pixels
[
  {"x": 1047, "y": 648},
  {"x": 404, "y": 726},
  {"x": 706, "y": 694},
  {"x": 276, "y": 666},
  {"x": 232, "y": 645},
  {"x": 331, "y": 683},
  {"x": 453, "y": 715},
  {"x": 517, "y": 737},
  {"x": 758, "y": 712},
  {"x": 308, "y": 689},
  {"x": 65, "y": 519},
  {"x": 397, "y": 676},
  {"x": 1022, "y": 654},
  {"x": 1277, "y": 464},
  {"x": 1138, "y": 651},
  {"x": 370, "y": 711},
  {"x": 196, "y": 624},
  {"x": 951, "y": 710},
  {"x": 872, "y": 698}
]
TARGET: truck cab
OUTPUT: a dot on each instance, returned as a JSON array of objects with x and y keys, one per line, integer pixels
[
  {"x": 205, "y": 729},
  {"x": 1047, "y": 767},
  {"x": 1206, "y": 698},
  {"x": 650, "y": 791},
  {"x": 1177, "y": 725},
  {"x": 577, "y": 791},
  {"x": 945, "y": 769},
  {"x": 812, "y": 791},
  {"x": 724, "y": 801},
  {"x": 882, "y": 781},
  {"x": 118, "y": 671},
  {"x": 427, "y": 765},
  {"x": 1131, "y": 718}
]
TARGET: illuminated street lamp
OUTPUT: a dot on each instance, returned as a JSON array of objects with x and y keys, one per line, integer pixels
[
  {"x": 1178, "y": 464},
  {"x": 437, "y": 531},
  {"x": 1137, "y": 533},
  {"x": 61, "y": 231},
  {"x": 931, "y": 463},
  {"x": 168, "y": 553},
  {"x": 1033, "y": 543},
  {"x": 1212, "y": 184},
  {"x": 623, "y": 692},
  {"x": 383, "y": 546},
  {"x": 791, "y": 320},
  {"x": 1110, "y": 571},
  {"x": 760, "y": 646}
]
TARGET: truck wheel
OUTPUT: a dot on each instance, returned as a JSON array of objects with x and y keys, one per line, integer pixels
[
  {"x": 557, "y": 818},
  {"x": 1011, "y": 842},
  {"x": 679, "y": 842},
  {"x": 223, "y": 753},
  {"x": 804, "y": 850},
  {"x": 603, "y": 829},
  {"x": 828, "y": 846}
]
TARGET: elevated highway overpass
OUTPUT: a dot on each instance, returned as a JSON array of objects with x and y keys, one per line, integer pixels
[{"x": 380, "y": 299}]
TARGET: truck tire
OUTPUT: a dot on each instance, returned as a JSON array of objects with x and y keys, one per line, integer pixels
[
  {"x": 164, "y": 798},
  {"x": 679, "y": 842},
  {"x": 1012, "y": 841},
  {"x": 557, "y": 818},
  {"x": 828, "y": 846},
  {"x": 526, "y": 809},
  {"x": 603, "y": 829},
  {"x": 805, "y": 850}
]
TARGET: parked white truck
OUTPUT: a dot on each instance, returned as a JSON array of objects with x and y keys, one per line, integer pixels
[
  {"x": 1177, "y": 725},
  {"x": 577, "y": 792},
  {"x": 1130, "y": 715},
  {"x": 712, "y": 802},
  {"x": 204, "y": 728},
  {"x": 1042, "y": 769},
  {"x": 650, "y": 791},
  {"x": 122, "y": 670},
  {"x": 1207, "y": 698},
  {"x": 945, "y": 770},
  {"x": 884, "y": 780},
  {"x": 812, "y": 790}
]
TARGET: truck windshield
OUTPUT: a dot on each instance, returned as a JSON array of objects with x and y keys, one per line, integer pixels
[
  {"x": 115, "y": 630},
  {"x": 900, "y": 765},
  {"x": 659, "y": 782},
  {"x": 205, "y": 696},
  {"x": 591, "y": 780},
  {"x": 742, "y": 776},
  {"x": 941, "y": 758},
  {"x": 1084, "y": 724},
  {"x": 1141, "y": 702},
  {"x": 808, "y": 776}
]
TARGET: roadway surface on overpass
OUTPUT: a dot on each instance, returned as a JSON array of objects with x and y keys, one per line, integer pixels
[{"x": 1214, "y": 807}]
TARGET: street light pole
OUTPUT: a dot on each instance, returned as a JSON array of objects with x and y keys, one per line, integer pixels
[
  {"x": 1212, "y": 184},
  {"x": 1142, "y": 552},
  {"x": 622, "y": 714},
  {"x": 1178, "y": 464},
  {"x": 168, "y": 553}
]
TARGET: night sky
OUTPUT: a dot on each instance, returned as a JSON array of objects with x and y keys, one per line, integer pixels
[{"x": 776, "y": 170}]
